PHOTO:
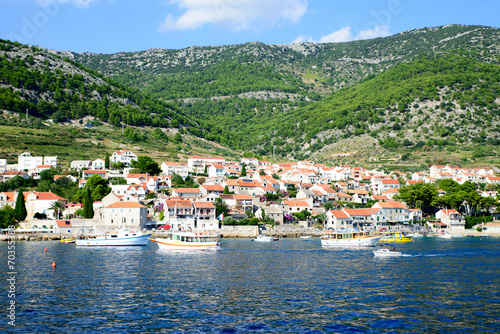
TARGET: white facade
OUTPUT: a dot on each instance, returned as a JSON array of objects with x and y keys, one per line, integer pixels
[
  {"x": 169, "y": 168},
  {"x": 26, "y": 162},
  {"x": 124, "y": 156},
  {"x": 131, "y": 215},
  {"x": 81, "y": 164},
  {"x": 98, "y": 164}
]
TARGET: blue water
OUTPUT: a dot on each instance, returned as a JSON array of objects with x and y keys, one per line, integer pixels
[{"x": 290, "y": 286}]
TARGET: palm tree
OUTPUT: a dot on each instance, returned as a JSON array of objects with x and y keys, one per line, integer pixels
[{"x": 57, "y": 207}]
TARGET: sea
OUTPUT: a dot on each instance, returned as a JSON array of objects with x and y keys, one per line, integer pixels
[{"x": 288, "y": 286}]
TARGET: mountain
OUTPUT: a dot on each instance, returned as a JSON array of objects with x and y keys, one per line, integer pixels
[
  {"x": 411, "y": 96},
  {"x": 306, "y": 99},
  {"x": 50, "y": 86}
]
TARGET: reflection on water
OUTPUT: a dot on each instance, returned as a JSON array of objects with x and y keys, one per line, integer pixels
[{"x": 289, "y": 286}]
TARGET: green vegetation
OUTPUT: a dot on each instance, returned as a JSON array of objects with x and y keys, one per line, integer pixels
[
  {"x": 412, "y": 96},
  {"x": 20, "y": 211}
]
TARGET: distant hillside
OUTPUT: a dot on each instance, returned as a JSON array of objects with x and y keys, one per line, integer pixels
[
  {"x": 49, "y": 86},
  {"x": 266, "y": 96},
  {"x": 417, "y": 95}
]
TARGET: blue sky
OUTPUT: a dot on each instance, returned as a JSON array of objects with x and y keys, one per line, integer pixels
[{"x": 108, "y": 26}]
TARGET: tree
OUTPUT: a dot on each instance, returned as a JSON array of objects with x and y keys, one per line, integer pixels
[
  {"x": 88, "y": 205},
  {"x": 20, "y": 211},
  {"x": 243, "y": 170},
  {"x": 220, "y": 207},
  {"x": 146, "y": 165},
  {"x": 178, "y": 138},
  {"x": 328, "y": 205},
  {"x": 118, "y": 165},
  {"x": 226, "y": 191},
  {"x": 7, "y": 217},
  {"x": 48, "y": 174},
  {"x": 57, "y": 207},
  {"x": 106, "y": 161}
]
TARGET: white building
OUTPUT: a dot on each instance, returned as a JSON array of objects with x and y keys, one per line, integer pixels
[
  {"x": 197, "y": 164},
  {"x": 26, "y": 161},
  {"x": 81, "y": 164},
  {"x": 131, "y": 215},
  {"x": 98, "y": 164},
  {"x": 452, "y": 218},
  {"x": 124, "y": 156},
  {"x": 169, "y": 168}
]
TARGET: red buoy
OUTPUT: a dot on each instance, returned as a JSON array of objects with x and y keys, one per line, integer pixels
[
  {"x": 45, "y": 250},
  {"x": 54, "y": 264}
]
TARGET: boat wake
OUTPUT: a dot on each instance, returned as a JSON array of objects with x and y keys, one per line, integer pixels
[{"x": 423, "y": 255}]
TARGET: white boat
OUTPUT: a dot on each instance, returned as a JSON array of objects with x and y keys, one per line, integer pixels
[
  {"x": 384, "y": 252},
  {"x": 305, "y": 237},
  {"x": 265, "y": 238},
  {"x": 445, "y": 236},
  {"x": 122, "y": 237},
  {"x": 349, "y": 238},
  {"x": 188, "y": 240}
]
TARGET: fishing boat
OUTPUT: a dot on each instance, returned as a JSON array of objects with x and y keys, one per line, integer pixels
[
  {"x": 188, "y": 240},
  {"x": 68, "y": 241},
  {"x": 122, "y": 237},
  {"x": 349, "y": 238},
  {"x": 396, "y": 237},
  {"x": 265, "y": 238}
]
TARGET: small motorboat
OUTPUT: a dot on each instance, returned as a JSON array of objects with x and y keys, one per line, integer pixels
[
  {"x": 265, "y": 238},
  {"x": 68, "y": 241},
  {"x": 384, "y": 252}
]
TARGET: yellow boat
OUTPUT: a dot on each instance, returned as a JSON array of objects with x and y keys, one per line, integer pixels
[
  {"x": 396, "y": 237},
  {"x": 68, "y": 241}
]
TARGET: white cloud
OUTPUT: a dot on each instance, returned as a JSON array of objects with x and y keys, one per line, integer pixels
[
  {"x": 234, "y": 14},
  {"x": 345, "y": 35},
  {"x": 377, "y": 31},
  {"x": 342, "y": 35},
  {"x": 78, "y": 3},
  {"x": 302, "y": 39}
]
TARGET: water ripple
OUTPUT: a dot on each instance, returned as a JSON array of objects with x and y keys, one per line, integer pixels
[{"x": 288, "y": 287}]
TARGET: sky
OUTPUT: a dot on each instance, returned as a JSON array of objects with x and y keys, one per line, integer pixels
[{"x": 110, "y": 26}]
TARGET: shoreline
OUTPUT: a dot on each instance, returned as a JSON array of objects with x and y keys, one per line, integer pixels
[{"x": 223, "y": 235}]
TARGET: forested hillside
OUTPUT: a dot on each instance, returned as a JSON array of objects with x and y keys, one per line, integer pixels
[
  {"x": 279, "y": 97},
  {"x": 423, "y": 90},
  {"x": 48, "y": 86}
]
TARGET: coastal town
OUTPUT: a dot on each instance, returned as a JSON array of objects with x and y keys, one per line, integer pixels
[{"x": 224, "y": 193}]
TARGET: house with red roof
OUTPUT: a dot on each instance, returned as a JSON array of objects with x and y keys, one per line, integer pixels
[
  {"x": 395, "y": 212},
  {"x": 297, "y": 206},
  {"x": 211, "y": 189},
  {"x": 124, "y": 156},
  {"x": 35, "y": 201},
  {"x": 126, "y": 214},
  {"x": 380, "y": 185},
  {"x": 137, "y": 178},
  {"x": 34, "y": 173},
  {"x": 204, "y": 213},
  {"x": 490, "y": 179},
  {"x": 338, "y": 219},
  {"x": 196, "y": 164},
  {"x": 169, "y": 168},
  {"x": 452, "y": 218},
  {"x": 10, "y": 174}
]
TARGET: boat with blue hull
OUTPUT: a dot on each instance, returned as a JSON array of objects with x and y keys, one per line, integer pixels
[{"x": 123, "y": 237}]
